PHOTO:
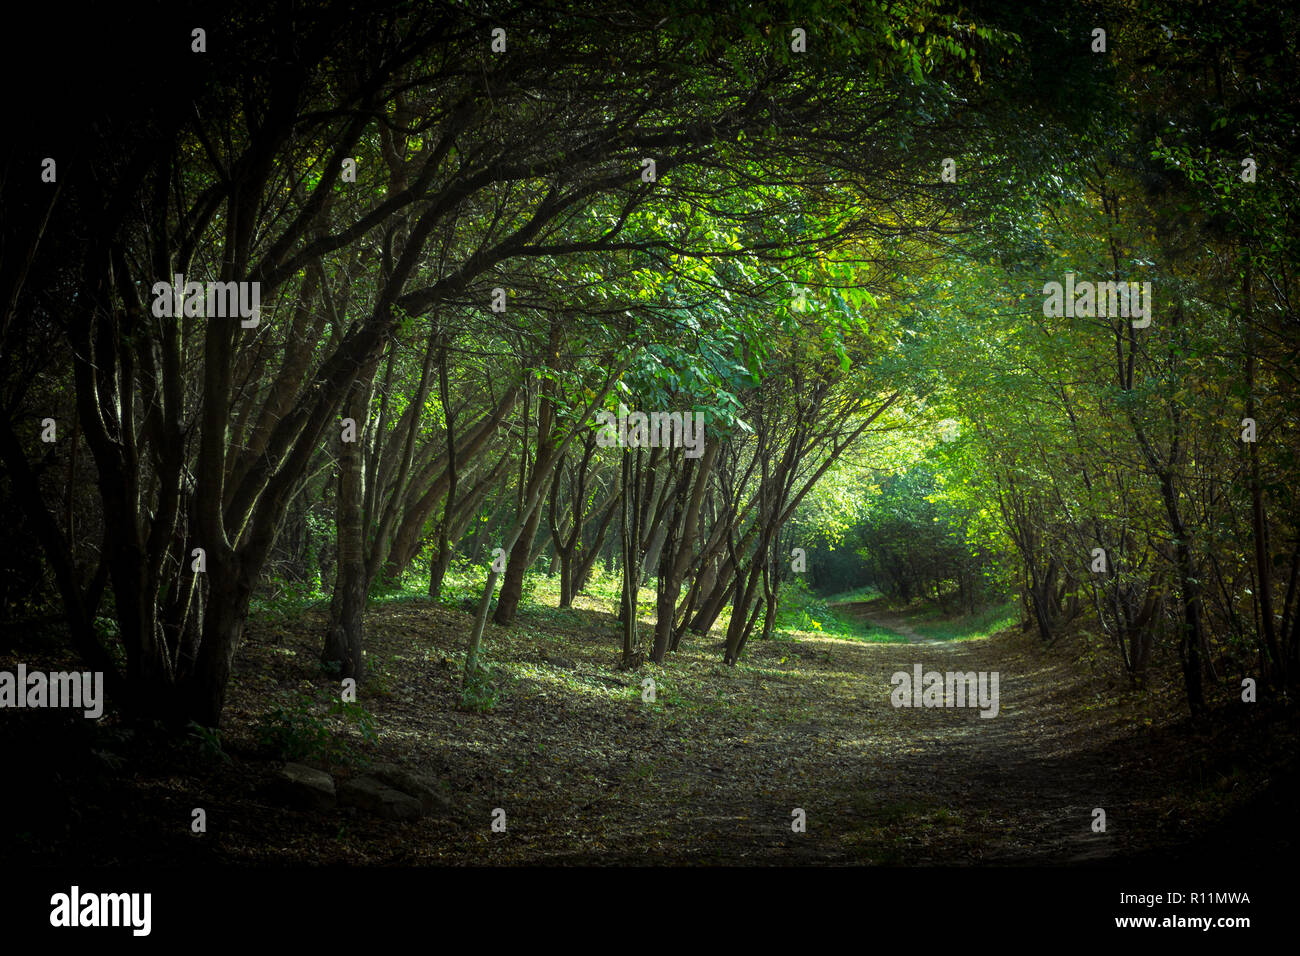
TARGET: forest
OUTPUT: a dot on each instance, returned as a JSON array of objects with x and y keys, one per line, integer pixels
[{"x": 534, "y": 433}]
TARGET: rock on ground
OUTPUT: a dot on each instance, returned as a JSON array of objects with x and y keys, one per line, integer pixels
[
  {"x": 306, "y": 787},
  {"x": 373, "y": 796},
  {"x": 420, "y": 786}
]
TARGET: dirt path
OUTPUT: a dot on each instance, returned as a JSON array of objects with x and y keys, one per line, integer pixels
[
  {"x": 868, "y": 611},
  {"x": 713, "y": 770}
]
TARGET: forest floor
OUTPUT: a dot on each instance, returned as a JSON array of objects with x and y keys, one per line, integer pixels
[{"x": 710, "y": 772}]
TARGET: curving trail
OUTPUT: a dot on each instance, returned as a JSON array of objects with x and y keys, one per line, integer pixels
[
  {"x": 868, "y": 611},
  {"x": 713, "y": 771}
]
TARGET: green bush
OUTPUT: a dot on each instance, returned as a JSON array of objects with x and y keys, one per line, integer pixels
[
  {"x": 301, "y": 732},
  {"x": 480, "y": 692},
  {"x": 208, "y": 742}
]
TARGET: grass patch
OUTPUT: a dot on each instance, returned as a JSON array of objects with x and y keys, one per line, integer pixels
[
  {"x": 803, "y": 614},
  {"x": 972, "y": 627},
  {"x": 856, "y": 596}
]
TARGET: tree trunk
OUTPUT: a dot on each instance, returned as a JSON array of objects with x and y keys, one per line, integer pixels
[
  {"x": 438, "y": 570},
  {"x": 343, "y": 639}
]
